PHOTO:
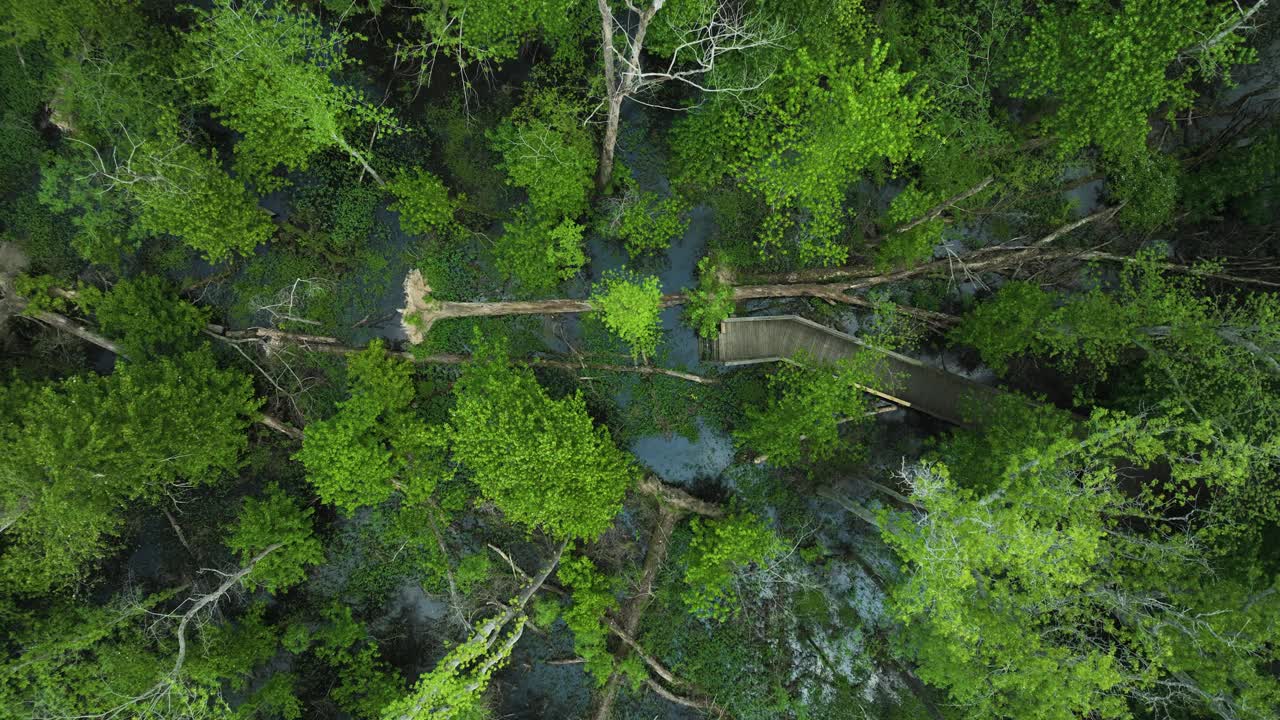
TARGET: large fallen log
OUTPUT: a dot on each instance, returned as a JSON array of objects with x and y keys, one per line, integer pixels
[{"x": 325, "y": 344}]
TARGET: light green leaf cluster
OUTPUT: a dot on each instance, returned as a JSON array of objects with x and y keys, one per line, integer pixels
[
  {"x": 64, "y": 651},
  {"x": 103, "y": 220},
  {"x": 81, "y": 449},
  {"x": 423, "y": 202},
  {"x": 452, "y": 691},
  {"x": 629, "y": 306},
  {"x": 543, "y": 462},
  {"x": 903, "y": 249},
  {"x": 145, "y": 315},
  {"x": 365, "y": 682},
  {"x": 808, "y": 405},
  {"x": 547, "y": 152},
  {"x": 191, "y": 198},
  {"x": 373, "y": 444},
  {"x": 1040, "y": 588},
  {"x": 648, "y": 224},
  {"x": 825, "y": 123},
  {"x": 1109, "y": 66},
  {"x": 269, "y": 72},
  {"x": 275, "y": 520},
  {"x": 489, "y": 31},
  {"x": 1194, "y": 355},
  {"x": 991, "y": 619},
  {"x": 718, "y": 550},
  {"x": 804, "y": 142},
  {"x": 593, "y": 596},
  {"x": 539, "y": 254},
  {"x": 711, "y": 301}
]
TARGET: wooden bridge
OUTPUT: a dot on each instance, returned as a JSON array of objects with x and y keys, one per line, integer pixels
[{"x": 906, "y": 381}]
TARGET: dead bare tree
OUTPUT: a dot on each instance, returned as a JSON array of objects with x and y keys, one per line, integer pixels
[
  {"x": 725, "y": 28},
  {"x": 194, "y": 610}
]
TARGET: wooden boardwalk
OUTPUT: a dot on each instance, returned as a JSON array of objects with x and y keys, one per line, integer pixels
[{"x": 904, "y": 380}]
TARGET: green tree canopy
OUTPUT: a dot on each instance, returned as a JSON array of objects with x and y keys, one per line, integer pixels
[
  {"x": 1109, "y": 66},
  {"x": 374, "y": 443},
  {"x": 808, "y": 404},
  {"x": 271, "y": 73},
  {"x": 1182, "y": 353},
  {"x": 629, "y": 306},
  {"x": 547, "y": 152},
  {"x": 543, "y": 462},
  {"x": 277, "y": 526},
  {"x": 1050, "y": 593},
  {"x": 82, "y": 448}
]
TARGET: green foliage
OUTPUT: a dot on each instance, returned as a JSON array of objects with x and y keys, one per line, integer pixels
[
  {"x": 103, "y": 220},
  {"x": 1017, "y": 553},
  {"x": 423, "y": 203},
  {"x": 719, "y": 549},
  {"x": 808, "y": 405},
  {"x": 1147, "y": 185},
  {"x": 365, "y": 682},
  {"x": 1233, "y": 177},
  {"x": 73, "y": 658},
  {"x": 548, "y": 153},
  {"x": 541, "y": 461},
  {"x": 82, "y": 449},
  {"x": 473, "y": 570},
  {"x": 275, "y": 525},
  {"x": 674, "y": 22},
  {"x": 1189, "y": 355},
  {"x": 390, "y": 545},
  {"x": 1108, "y": 66},
  {"x": 69, "y": 26},
  {"x": 232, "y": 650},
  {"x": 647, "y": 224},
  {"x": 373, "y": 444},
  {"x": 955, "y": 49},
  {"x": 187, "y": 195},
  {"x": 146, "y": 316},
  {"x": 904, "y": 249},
  {"x": 270, "y": 74},
  {"x": 711, "y": 301},
  {"x": 275, "y": 698},
  {"x": 452, "y": 691},
  {"x": 629, "y": 307},
  {"x": 1008, "y": 426},
  {"x": 479, "y": 33},
  {"x": 812, "y": 131},
  {"x": 20, "y": 142},
  {"x": 1006, "y": 325},
  {"x": 539, "y": 254},
  {"x": 1059, "y": 594},
  {"x": 593, "y": 596}
]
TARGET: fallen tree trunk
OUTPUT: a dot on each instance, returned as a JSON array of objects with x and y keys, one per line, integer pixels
[
  {"x": 653, "y": 559},
  {"x": 831, "y": 284},
  {"x": 941, "y": 207},
  {"x": 325, "y": 344},
  {"x": 863, "y": 276}
]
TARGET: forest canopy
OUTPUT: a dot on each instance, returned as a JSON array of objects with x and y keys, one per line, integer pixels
[{"x": 755, "y": 359}]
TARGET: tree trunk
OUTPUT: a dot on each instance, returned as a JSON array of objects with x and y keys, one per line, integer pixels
[
  {"x": 604, "y": 173},
  {"x": 330, "y": 345},
  {"x": 359, "y": 157},
  {"x": 657, "y": 553},
  {"x": 678, "y": 499}
]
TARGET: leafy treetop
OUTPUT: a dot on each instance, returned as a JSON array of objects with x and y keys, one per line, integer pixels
[{"x": 543, "y": 462}]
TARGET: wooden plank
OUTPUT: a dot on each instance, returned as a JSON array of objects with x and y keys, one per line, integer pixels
[{"x": 905, "y": 380}]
